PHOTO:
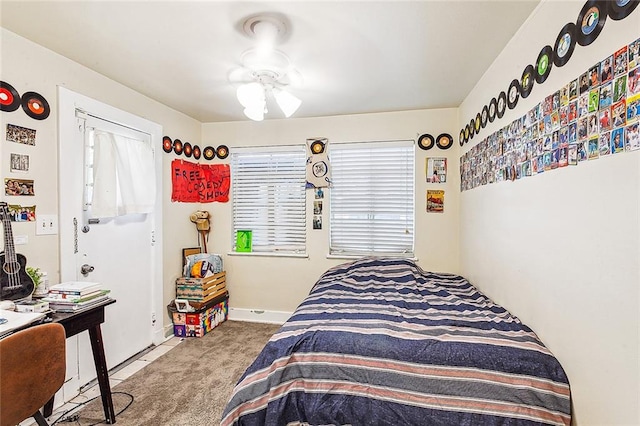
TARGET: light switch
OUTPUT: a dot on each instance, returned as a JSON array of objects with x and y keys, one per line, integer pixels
[{"x": 46, "y": 224}]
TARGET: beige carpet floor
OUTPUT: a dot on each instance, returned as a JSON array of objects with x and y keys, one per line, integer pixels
[{"x": 190, "y": 384}]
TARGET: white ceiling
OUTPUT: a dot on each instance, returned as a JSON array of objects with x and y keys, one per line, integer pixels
[{"x": 354, "y": 56}]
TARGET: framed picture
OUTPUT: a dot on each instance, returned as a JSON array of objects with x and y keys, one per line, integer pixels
[
  {"x": 189, "y": 251},
  {"x": 243, "y": 241}
]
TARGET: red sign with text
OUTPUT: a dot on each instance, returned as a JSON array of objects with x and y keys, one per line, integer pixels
[{"x": 200, "y": 183}]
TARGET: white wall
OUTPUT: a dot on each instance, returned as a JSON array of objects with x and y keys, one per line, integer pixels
[
  {"x": 30, "y": 67},
  {"x": 561, "y": 250},
  {"x": 280, "y": 283}
]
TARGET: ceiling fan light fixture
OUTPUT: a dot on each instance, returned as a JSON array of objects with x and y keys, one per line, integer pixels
[
  {"x": 287, "y": 102},
  {"x": 251, "y": 94},
  {"x": 255, "y": 113}
]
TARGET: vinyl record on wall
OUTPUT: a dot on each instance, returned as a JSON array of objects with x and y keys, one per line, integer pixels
[
  {"x": 526, "y": 81},
  {"x": 493, "y": 108},
  {"x": 209, "y": 153},
  {"x": 444, "y": 141},
  {"x": 196, "y": 152},
  {"x": 485, "y": 116},
  {"x": 502, "y": 104},
  {"x": 478, "y": 123},
  {"x": 426, "y": 141},
  {"x": 544, "y": 63},
  {"x": 187, "y": 149},
  {"x": 35, "y": 105},
  {"x": 620, "y": 9},
  {"x": 467, "y": 133},
  {"x": 317, "y": 147},
  {"x": 513, "y": 94},
  {"x": 9, "y": 97},
  {"x": 167, "y": 144},
  {"x": 461, "y": 137},
  {"x": 472, "y": 128},
  {"x": 222, "y": 152},
  {"x": 177, "y": 146},
  {"x": 590, "y": 21},
  {"x": 565, "y": 44}
]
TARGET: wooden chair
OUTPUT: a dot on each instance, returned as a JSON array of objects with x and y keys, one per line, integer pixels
[{"x": 32, "y": 370}]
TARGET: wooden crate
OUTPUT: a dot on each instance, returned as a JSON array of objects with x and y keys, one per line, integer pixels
[{"x": 201, "y": 290}]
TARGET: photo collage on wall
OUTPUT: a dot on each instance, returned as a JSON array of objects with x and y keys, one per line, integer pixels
[{"x": 595, "y": 115}]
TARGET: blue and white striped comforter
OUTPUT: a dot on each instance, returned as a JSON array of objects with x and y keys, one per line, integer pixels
[{"x": 382, "y": 342}]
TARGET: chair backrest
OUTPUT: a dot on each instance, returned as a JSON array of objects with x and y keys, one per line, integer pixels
[{"x": 32, "y": 370}]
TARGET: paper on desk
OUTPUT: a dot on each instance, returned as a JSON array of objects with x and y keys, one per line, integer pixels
[{"x": 17, "y": 320}]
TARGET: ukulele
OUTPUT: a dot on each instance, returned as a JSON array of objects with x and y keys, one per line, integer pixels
[{"x": 15, "y": 283}]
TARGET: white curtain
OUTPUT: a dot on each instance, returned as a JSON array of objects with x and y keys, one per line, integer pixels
[{"x": 123, "y": 176}]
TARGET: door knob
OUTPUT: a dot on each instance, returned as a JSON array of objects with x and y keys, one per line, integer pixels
[{"x": 85, "y": 269}]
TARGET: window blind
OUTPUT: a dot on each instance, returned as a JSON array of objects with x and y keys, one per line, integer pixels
[
  {"x": 372, "y": 199},
  {"x": 268, "y": 192}
]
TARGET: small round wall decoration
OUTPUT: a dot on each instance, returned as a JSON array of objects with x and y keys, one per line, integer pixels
[
  {"x": 478, "y": 123},
  {"x": 620, "y": 9},
  {"x": 196, "y": 152},
  {"x": 502, "y": 104},
  {"x": 317, "y": 147},
  {"x": 591, "y": 21},
  {"x": 485, "y": 116},
  {"x": 209, "y": 153},
  {"x": 513, "y": 94},
  {"x": 35, "y": 105},
  {"x": 467, "y": 133},
  {"x": 444, "y": 141},
  {"x": 187, "y": 149},
  {"x": 493, "y": 108},
  {"x": 177, "y": 146},
  {"x": 543, "y": 64},
  {"x": 565, "y": 44},
  {"x": 222, "y": 152},
  {"x": 167, "y": 144},
  {"x": 526, "y": 81},
  {"x": 9, "y": 97},
  {"x": 426, "y": 141},
  {"x": 461, "y": 137}
]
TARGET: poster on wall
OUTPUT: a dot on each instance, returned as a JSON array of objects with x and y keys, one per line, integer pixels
[
  {"x": 436, "y": 169},
  {"x": 19, "y": 163},
  {"x": 18, "y": 213},
  {"x": 200, "y": 183},
  {"x": 21, "y": 135},
  {"x": 435, "y": 201},
  {"x": 18, "y": 187}
]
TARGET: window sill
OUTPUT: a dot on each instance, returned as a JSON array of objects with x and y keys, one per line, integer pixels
[
  {"x": 355, "y": 256},
  {"x": 266, "y": 254}
]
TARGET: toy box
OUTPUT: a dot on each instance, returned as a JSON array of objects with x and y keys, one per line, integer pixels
[{"x": 202, "y": 321}]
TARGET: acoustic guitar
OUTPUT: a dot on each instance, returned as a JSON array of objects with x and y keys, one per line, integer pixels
[{"x": 16, "y": 284}]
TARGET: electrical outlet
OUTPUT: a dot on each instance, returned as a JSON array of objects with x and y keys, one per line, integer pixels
[
  {"x": 46, "y": 224},
  {"x": 20, "y": 239}
]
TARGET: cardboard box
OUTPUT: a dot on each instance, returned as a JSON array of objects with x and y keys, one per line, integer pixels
[{"x": 199, "y": 323}]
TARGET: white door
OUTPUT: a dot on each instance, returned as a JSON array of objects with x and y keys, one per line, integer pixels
[{"x": 123, "y": 252}]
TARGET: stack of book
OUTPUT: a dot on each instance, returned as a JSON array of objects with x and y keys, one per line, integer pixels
[{"x": 75, "y": 295}]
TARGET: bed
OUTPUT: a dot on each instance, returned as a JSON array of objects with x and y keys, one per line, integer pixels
[{"x": 382, "y": 342}]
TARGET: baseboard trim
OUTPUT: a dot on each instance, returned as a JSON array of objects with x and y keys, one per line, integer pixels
[{"x": 255, "y": 315}]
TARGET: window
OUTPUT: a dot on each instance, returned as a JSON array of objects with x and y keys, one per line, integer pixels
[
  {"x": 372, "y": 199},
  {"x": 268, "y": 187}
]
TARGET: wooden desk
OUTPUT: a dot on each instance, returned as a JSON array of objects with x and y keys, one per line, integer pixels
[{"x": 77, "y": 322}]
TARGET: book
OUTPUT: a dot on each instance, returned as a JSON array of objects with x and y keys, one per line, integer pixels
[
  {"x": 75, "y": 287},
  {"x": 75, "y": 307},
  {"x": 74, "y": 297},
  {"x": 62, "y": 300},
  {"x": 32, "y": 306}
]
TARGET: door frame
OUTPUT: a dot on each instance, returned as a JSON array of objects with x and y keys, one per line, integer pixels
[{"x": 68, "y": 102}]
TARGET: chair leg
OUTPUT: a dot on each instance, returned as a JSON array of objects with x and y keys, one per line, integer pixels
[{"x": 40, "y": 419}]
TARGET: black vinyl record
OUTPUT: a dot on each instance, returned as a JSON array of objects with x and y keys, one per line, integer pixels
[
  {"x": 493, "y": 108},
  {"x": 222, "y": 152},
  {"x": 502, "y": 104},
  {"x": 167, "y": 144},
  {"x": 478, "y": 122},
  {"x": 461, "y": 137},
  {"x": 472, "y": 128},
  {"x": 317, "y": 147},
  {"x": 426, "y": 141},
  {"x": 187, "y": 149},
  {"x": 177, "y": 146},
  {"x": 620, "y": 9},
  {"x": 526, "y": 81},
  {"x": 9, "y": 97},
  {"x": 544, "y": 63},
  {"x": 590, "y": 21},
  {"x": 209, "y": 153},
  {"x": 444, "y": 141},
  {"x": 565, "y": 43},
  {"x": 35, "y": 105},
  {"x": 196, "y": 152},
  {"x": 513, "y": 94},
  {"x": 485, "y": 116},
  {"x": 467, "y": 133}
]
